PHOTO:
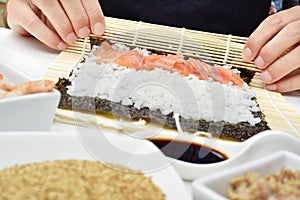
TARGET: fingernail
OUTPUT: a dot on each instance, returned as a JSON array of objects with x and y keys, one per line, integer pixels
[
  {"x": 271, "y": 87},
  {"x": 61, "y": 46},
  {"x": 71, "y": 38},
  {"x": 247, "y": 54},
  {"x": 266, "y": 77},
  {"x": 84, "y": 32},
  {"x": 259, "y": 62},
  {"x": 98, "y": 29}
]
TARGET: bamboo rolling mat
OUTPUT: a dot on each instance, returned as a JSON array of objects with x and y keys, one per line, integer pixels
[{"x": 209, "y": 47}]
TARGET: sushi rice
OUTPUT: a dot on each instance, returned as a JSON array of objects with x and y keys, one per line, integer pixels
[{"x": 159, "y": 89}]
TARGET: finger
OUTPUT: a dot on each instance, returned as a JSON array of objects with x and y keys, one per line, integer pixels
[
  {"x": 19, "y": 29},
  {"x": 267, "y": 29},
  {"x": 47, "y": 22},
  {"x": 77, "y": 16},
  {"x": 282, "y": 67},
  {"x": 58, "y": 18},
  {"x": 33, "y": 25},
  {"x": 12, "y": 17},
  {"x": 20, "y": 23},
  {"x": 287, "y": 84},
  {"x": 95, "y": 15},
  {"x": 283, "y": 41}
]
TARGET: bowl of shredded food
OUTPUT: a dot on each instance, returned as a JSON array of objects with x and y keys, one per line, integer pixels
[{"x": 276, "y": 176}]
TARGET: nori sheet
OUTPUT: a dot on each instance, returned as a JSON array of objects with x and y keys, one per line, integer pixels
[{"x": 240, "y": 132}]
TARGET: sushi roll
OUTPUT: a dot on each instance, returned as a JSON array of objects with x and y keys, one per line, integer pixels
[{"x": 173, "y": 90}]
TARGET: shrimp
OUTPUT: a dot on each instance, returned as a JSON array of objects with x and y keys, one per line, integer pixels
[
  {"x": 31, "y": 87},
  {"x": 3, "y": 93},
  {"x": 6, "y": 84}
]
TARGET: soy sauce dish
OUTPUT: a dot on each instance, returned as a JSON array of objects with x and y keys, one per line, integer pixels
[
  {"x": 190, "y": 152},
  {"x": 194, "y": 157}
]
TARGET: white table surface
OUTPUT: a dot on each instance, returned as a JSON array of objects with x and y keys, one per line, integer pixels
[{"x": 32, "y": 58}]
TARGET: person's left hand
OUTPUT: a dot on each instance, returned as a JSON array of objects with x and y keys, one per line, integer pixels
[{"x": 275, "y": 47}]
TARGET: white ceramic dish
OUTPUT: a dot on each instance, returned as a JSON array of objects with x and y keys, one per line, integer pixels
[
  {"x": 259, "y": 145},
  {"x": 215, "y": 186},
  {"x": 255, "y": 147},
  {"x": 28, "y": 147},
  {"x": 34, "y": 112}
]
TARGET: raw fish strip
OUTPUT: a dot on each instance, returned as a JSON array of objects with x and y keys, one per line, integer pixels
[
  {"x": 173, "y": 63},
  {"x": 105, "y": 53},
  {"x": 199, "y": 68},
  {"x": 130, "y": 59}
]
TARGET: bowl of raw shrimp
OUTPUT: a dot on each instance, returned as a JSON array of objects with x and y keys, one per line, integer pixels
[{"x": 26, "y": 105}]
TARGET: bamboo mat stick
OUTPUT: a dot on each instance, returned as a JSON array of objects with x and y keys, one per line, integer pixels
[
  {"x": 279, "y": 114},
  {"x": 210, "y": 47},
  {"x": 150, "y": 32},
  {"x": 66, "y": 60}
]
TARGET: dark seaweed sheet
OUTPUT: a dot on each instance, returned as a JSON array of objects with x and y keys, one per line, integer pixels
[{"x": 240, "y": 131}]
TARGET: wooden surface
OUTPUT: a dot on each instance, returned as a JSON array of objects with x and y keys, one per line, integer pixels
[{"x": 215, "y": 48}]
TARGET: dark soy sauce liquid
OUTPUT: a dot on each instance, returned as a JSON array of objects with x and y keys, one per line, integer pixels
[{"x": 189, "y": 152}]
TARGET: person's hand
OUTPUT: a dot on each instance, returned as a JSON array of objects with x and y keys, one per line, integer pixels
[
  {"x": 56, "y": 22},
  {"x": 275, "y": 47}
]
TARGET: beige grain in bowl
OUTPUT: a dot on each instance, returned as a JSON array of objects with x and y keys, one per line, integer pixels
[
  {"x": 75, "y": 179},
  {"x": 217, "y": 185},
  {"x": 282, "y": 185}
]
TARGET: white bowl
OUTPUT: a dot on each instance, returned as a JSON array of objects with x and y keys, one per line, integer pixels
[
  {"x": 18, "y": 148},
  {"x": 215, "y": 186},
  {"x": 33, "y": 112}
]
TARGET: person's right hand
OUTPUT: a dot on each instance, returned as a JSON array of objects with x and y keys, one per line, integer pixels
[{"x": 56, "y": 22}]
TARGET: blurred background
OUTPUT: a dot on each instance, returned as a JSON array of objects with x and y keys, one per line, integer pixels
[
  {"x": 2, "y": 3},
  {"x": 275, "y": 7}
]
